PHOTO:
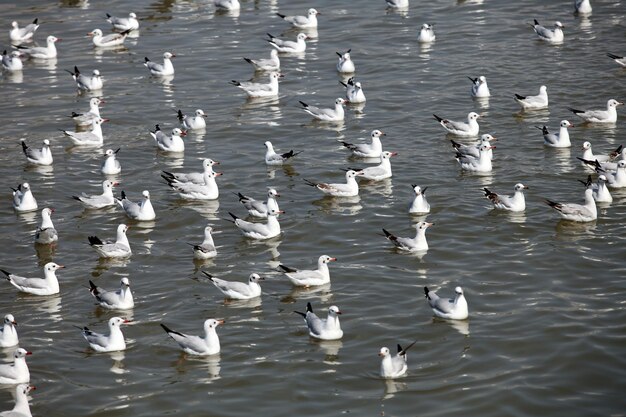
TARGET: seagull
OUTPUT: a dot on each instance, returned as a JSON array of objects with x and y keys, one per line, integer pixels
[
  {"x": 480, "y": 89},
  {"x": 193, "y": 122},
  {"x": 273, "y": 158},
  {"x": 142, "y": 211},
  {"x": 474, "y": 149},
  {"x": 537, "y": 102},
  {"x": 349, "y": 189},
  {"x": 326, "y": 115},
  {"x": 121, "y": 299},
  {"x": 549, "y": 35},
  {"x": 118, "y": 249},
  {"x": 48, "y": 285},
  {"x": 480, "y": 164},
  {"x": 85, "y": 119},
  {"x": 557, "y": 140},
  {"x": 257, "y": 90},
  {"x": 83, "y": 82},
  {"x": 193, "y": 191},
  {"x": 309, "y": 278},
  {"x": 113, "y": 39},
  {"x": 18, "y": 34},
  {"x": 289, "y": 46},
  {"x": 610, "y": 165},
  {"x": 515, "y": 203},
  {"x": 582, "y": 7},
  {"x": 462, "y": 129},
  {"x": 588, "y": 154},
  {"x": 195, "y": 345},
  {"x": 166, "y": 143},
  {"x": 231, "y": 5},
  {"x": 23, "y": 199},
  {"x": 393, "y": 366},
  {"x": 21, "y": 408},
  {"x": 577, "y": 212},
  {"x": 91, "y": 138},
  {"x": 345, "y": 65},
  {"x": 235, "y": 290},
  {"x": 110, "y": 165},
  {"x": 621, "y": 60},
  {"x": 601, "y": 193},
  {"x": 41, "y": 156},
  {"x": 161, "y": 69},
  {"x": 419, "y": 205},
  {"x": 112, "y": 342},
  {"x": 617, "y": 179},
  {"x": 12, "y": 62},
  {"x": 452, "y": 309},
  {"x": 397, "y": 4},
  {"x": 327, "y": 329},
  {"x": 599, "y": 116},
  {"x": 302, "y": 22},
  {"x": 99, "y": 201},
  {"x": 354, "y": 91},
  {"x": 427, "y": 34},
  {"x": 124, "y": 23},
  {"x": 416, "y": 244},
  {"x": 41, "y": 52},
  {"x": 259, "y": 231},
  {"x": 272, "y": 64},
  {"x": 8, "y": 333},
  {"x": 16, "y": 372},
  {"x": 381, "y": 171},
  {"x": 367, "y": 150},
  {"x": 193, "y": 177},
  {"x": 259, "y": 208},
  {"x": 205, "y": 250},
  {"x": 46, "y": 233}
]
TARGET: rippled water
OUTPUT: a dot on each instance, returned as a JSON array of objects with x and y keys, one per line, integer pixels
[{"x": 546, "y": 331}]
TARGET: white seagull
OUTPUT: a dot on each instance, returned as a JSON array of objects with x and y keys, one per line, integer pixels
[
  {"x": 193, "y": 177},
  {"x": 416, "y": 244},
  {"x": 302, "y": 22},
  {"x": 354, "y": 91},
  {"x": 345, "y": 65},
  {"x": 195, "y": 345},
  {"x": 474, "y": 149},
  {"x": 514, "y": 203},
  {"x": 381, "y": 171},
  {"x": 192, "y": 191},
  {"x": 367, "y": 150},
  {"x": 235, "y": 290},
  {"x": 142, "y": 211},
  {"x": 8, "y": 333},
  {"x": 549, "y": 35},
  {"x": 462, "y": 129},
  {"x": 259, "y": 231},
  {"x": 599, "y": 116},
  {"x": 577, "y": 212},
  {"x": 86, "y": 83},
  {"x": 260, "y": 208},
  {"x": 86, "y": 119},
  {"x": 161, "y": 70},
  {"x": 480, "y": 89},
  {"x": 195, "y": 122},
  {"x": 110, "y": 165},
  {"x": 167, "y": 143},
  {"x": 124, "y": 23},
  {"x": 473, "y": 164},
  {"x": 309, "y": 278},
  {"x": 618, "y": 178},
  {"x": 621, "y": 60},
  {"x": 452, "y": 309},
  {"x": 16, "y": 372},
  {"x": 393, "y": 366},
  {"x": 349, "y": 189},
  {"x": 21, "y": 408},
  {"x": 48, "y": 285},
  {"x": 540, "y": 101},
  {"x": 41, "y": 52},
  {"x": 557, "y": 140},
  {"x": 18, "y": 34},
  {"x": 91, "y": 138},
  {"x": 205, "y": 250},
  {"x": 323, "y": 329},
  {"x": 419, "y": 205},
  {"x": 118, "y": 249},
  {"x": 41, "y": 156},
  {"x": 113, "y": 39},
  {"x": 112, "y": 342},
  {"x": 588, "y": 154},
  {"x": 46, "y": 233},
  {"x": 121, "y": 299},
  {"x": 426, "y": 34},
  {"x": 326, "y": 115},
  {"x": 601, "y": 193},
  {"x": 273, "y": 158},
  {"x": 98, "y": 201},
  {"x": 12, "y": 62},
  {"x": 271, "y": 64},
  {"x": 23, "y": 199},
  {"x": 258, "y": 90},
  {"x": 289, "y": 46}
]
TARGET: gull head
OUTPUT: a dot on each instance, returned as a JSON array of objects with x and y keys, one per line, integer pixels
[
  {"x": 26, "y": 186},
  {"x": 95, "y": 33},
  {"x": 519, "y": 187},
  {"x": 117, "y": 321},
  {"x": 210, "y": 324},
  {"x": 276, "y": 76},
  {"x": 51, "y": 267},
  {"x": 482, "y": 79},
  {"x": 333, "y": 311},
  {"x": 132, "y": 15},
  {"x": 621, "y": 164},
  {"x": 275, "y": 212},
  {"x": 423, "y": 225},
  {"x": 486, "y": 138},
  {"x": 614, "y": 103},
  {"x": 586, "y": 145},
  {"x": 340, "y": 101},
  {"x": 558, "y": 25},
  {"x": 326, "y": 259},
  {"x": 96, "y": 73},
  {"x": 122, "y": 228},
  {"x": 602, "y": 178},
  {"x": 21, "y": 353},
  {"x": 168, "y": 55},
  {"x": 14, "y": 25},
  {"x": 473, "y": 116},
  {"x": 124, "y": 282},
  {"x": 200, "y": 113},
  {"x": 9, "y": 319},
  {"x": 387, "y": 154},
  {"x": 302, "y": 37},
  {"x": 177, "y": 132},
  {"x": 46, "y": 142},
  {"x": 418, "y": 190},
  {"x": 313, "y": 12},
  {"x": 565, "y": 123},
  {"x": 272, "y": 193},
  {"x": 384, "y": 351},
  {"x": 108, "y": 184},
  {"x": 255, "y": 278},
  {"x": 377, "y": 133},
  {"x": 458, "y": 291},
  {"x": 47, "y": 212},
  {"x": 543, "y": 89},
  {"x": 146, "y": 194},
  {"x": 53, "y": 39},
  {"x": 351, "y": 173}
]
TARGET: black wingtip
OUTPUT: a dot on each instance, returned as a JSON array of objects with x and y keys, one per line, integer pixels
[
  {"x": 123, "y": 194},
  {"x": 108, "y": 16},
  {"x": 168, "y": 330},
  {"x": 536, "y": 23},
  {"x": 303, "y": 104},
  {"x": 126, "y": 32},
  {"x": 387, "y": 234},
  {"x": 234, "y": 82},
  {"x": 248, "y": 60},
  {"x": 552, "y": 204},
  {"x": 94, "y": 240},
  {"x": 7, "y": 273},
  {"x": 439, "y": 119},
  {"x": 426, "y": 291},
  {"x": 309, "y": 308},
  {"x": 575, "y": 111},
  {"x": 519, "y": 97},
  {"x": 35, "y": 21},
  {"x": 282, "y": 16},
  {"x": 93, "y": 289},
  {"x": 299, "y": 312},
  {"x": 233, "y": 216},
  {"x": 613, "y": 56},
  {"x": 146, "y": 59},
  {"x": 207, "y": 274}
]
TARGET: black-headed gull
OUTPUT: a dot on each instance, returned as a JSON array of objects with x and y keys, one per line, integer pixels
[
  {"x": 193, "y": 177},
  {"x": 271, "y": 64},
  {"x": 397, "y": 4},
  {"x": 121, "y": 299},
  {"x": 161, "y": 70},
  {"x": 419, "y": 204},
  {"x": 98, "y": 201},
  {"x": 426, "y": 34},
  {"x": 480, "y": 89},
  {"x": 462, "y": 129},
  {"x": 41, "y": 156},
  {"x": 46, "y": 233},
  {"x": 85, "y": 119},
  {"x": 599, "y": 116},
  {"x": 354, "y": 91},
  {"x": 16, "y": 372},
  {"x": 601, "y": 193},
  {"x": 195, "y": 345},
  {"x": 367, "y": 150},
  {"x": 110, "y": 165},
  {"x": 473, "y": 164},
  {"x": 195, "y": 122},
  {"x": 21, "y": 408},
  {"x": 474, "y": 149},
  {"x": 205, "y": 250},
  {"x": 208, "y": 190},
  {"x": 452, "y": 309},
  {"x": 236, "y": 290},
  {"x": 582, "y": 7},
  {"x": 514, "y": 203},
  {"x": 111, "y": 342},
  {"x": 41, "y": 52},
  {"x": 323, "y": 329},
  {"x": 23, "y": 198},
  {"x": 142, "y": 211},
  {"x": 416, "y": 244},
  {"x": 12, "y": 62},
  {"x": 549, "y": 35},
  {"x": 289, "y": 46},
  {"x": 108, "y": 249},
  {"x": 381, "y": 171},
  {"x": 259, "y": 231},
  {"x": 312, "y": 277},
  {"x": 349, "y": 189},
  {"x": 173, "y": 143},
  {"x": 588, "y": 154},
  {"x": 621, "y": 60},
  {"x": 302, "y": 22},
  {"x": 345, "y": 65},
  {"x": 8, "y": 333},
  {"x": 617, "y": 179},
  {"x": 124, "y": 23},
  {"x": 231, "y": 5},
  {"x": 326, "y": 115},
  {"x": 113, "y": 39},
  {"x": 577, "y": 212},
  {"x": 610, "y": 165},
  {"x": 85, "y": 82},
  {"x": 260, "y": 208},
  {"x": 18, "y": 34},
  {"x": 92, "y": 138},
  {"x": 393, "y": 366},
  {"x": 48, "y": 285},
  {"x": 273, "y": 158},
  {"x": 557, "y": 140},
  {"x": 259, "y": 90},
  {"x": 540, "y": 101}
]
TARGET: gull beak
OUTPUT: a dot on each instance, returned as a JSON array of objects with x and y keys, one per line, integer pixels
[
  {"x": 106, "y": 120},
  {"x": 29, "y": 353},
  {"x": 59, "y": 39},
  {"x": 215, "y": 163},
  {"x": 173, "y": 55},
  {"x": 183, "y": 133},
  {"x": 526, "y": 187},
  {"x": 430, "y": 224},
  {"x": 115, "y": 184},
  {"x": 492, "y": 147},
  {"x": 52, "y": 210},
  {"x": 333, "y": 259},
  {"x": 619, "y": 103},
  {"x": 339, "y": 312},
  {"x": 90, "y": 34},
  {"x": 383, "y": 133},
  {"x": 394, "y": 153},
  {"x": 221, "y": 322},
  {"x": 277, "y": 195},
  {"x": 380, "y": 354},
  {"x": 262, "y": 278},
  {"x": 14, "y": 323},
  {"x": 127, "y": 321},
  {"x": 281, "y": 211},
  {"x": 61, "y": 266},
  {"x": 218, "y": 174}
]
